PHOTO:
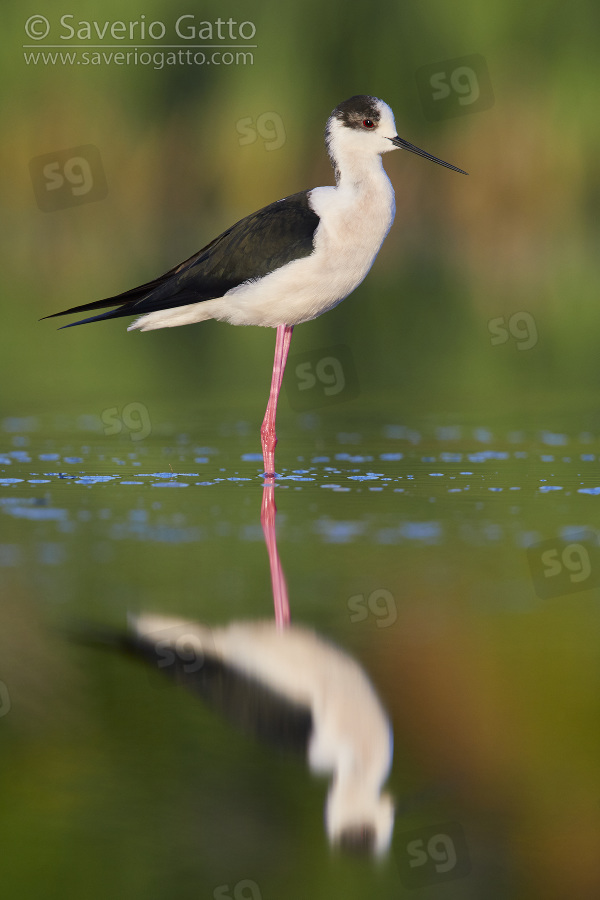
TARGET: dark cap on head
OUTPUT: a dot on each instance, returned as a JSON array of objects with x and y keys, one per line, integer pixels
[
  {"x": 357, "y": 840},
  {"x": 352, "y": 112}
]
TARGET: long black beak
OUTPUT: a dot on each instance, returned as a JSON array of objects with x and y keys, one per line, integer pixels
[{"x": 400, "y": 142}]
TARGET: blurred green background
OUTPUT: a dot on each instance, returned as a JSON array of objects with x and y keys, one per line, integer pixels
[
  {"x": 518, "y": 235},
  {"x": 481, "y": 311}
]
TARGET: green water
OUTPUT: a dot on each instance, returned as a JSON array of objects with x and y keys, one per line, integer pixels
[{"x": 458, "y": 562}]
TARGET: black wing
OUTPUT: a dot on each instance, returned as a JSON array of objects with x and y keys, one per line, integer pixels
[
  {"x": 245, "y": 701},
  {"x": 259, "y": 244}
]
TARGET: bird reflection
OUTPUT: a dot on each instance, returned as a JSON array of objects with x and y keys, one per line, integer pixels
[
  {"x": 268, "y": 512},
  {"x": 291, "y": 688}
]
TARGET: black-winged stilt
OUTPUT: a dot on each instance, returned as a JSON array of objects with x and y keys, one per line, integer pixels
[
  {"x": 296, "y": 690},
  {"x": 292, "y": 260}
]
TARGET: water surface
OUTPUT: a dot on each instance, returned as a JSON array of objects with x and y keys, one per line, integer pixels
[{"x": 459, "y": 563}]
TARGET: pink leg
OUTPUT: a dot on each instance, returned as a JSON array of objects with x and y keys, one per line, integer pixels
[
  {"x": 267, "y": 432},
  {"x": 268, "y": 512}
]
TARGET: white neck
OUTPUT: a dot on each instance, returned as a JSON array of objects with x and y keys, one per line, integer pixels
[
  {"x": 352, "y": 170},
  {"x": 362, "y": 183}
]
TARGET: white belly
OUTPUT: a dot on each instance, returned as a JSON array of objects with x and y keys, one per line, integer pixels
[{"x": 353, "y": 225}]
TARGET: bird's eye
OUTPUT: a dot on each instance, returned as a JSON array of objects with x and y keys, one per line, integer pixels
[{"x": 368, "y": 123}]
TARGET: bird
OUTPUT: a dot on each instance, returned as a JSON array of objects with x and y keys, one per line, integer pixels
[
  {"x": 290, "y": 261},
  {"x": 292, "y": 689}
]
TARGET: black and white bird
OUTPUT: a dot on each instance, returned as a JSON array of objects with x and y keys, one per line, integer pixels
[
  {"x": 292, "y": 689},
  {"x": 292, "y": 260}
]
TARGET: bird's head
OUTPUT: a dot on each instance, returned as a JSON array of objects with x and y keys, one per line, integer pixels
[
  {"x": 364, "y": 127},
  {"x": 359, "y": 822}
]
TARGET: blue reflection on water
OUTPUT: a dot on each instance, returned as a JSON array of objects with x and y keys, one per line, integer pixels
[{"x": 424, "y": 470}]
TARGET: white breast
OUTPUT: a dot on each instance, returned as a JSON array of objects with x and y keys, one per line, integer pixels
[
  {"x": 353, "y": 225},
  {"x": 354, "y": 220}
]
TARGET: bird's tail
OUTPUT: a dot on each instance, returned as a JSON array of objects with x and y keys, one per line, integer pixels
[
  {"x": 103, "y": 637},
  {"x": 172, "y": 646},
  {"x": 163, "y": 292},
  {"x": 124, "y": 302}
]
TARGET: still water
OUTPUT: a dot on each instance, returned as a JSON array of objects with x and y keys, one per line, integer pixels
[{"x": 457, "y": 564}]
